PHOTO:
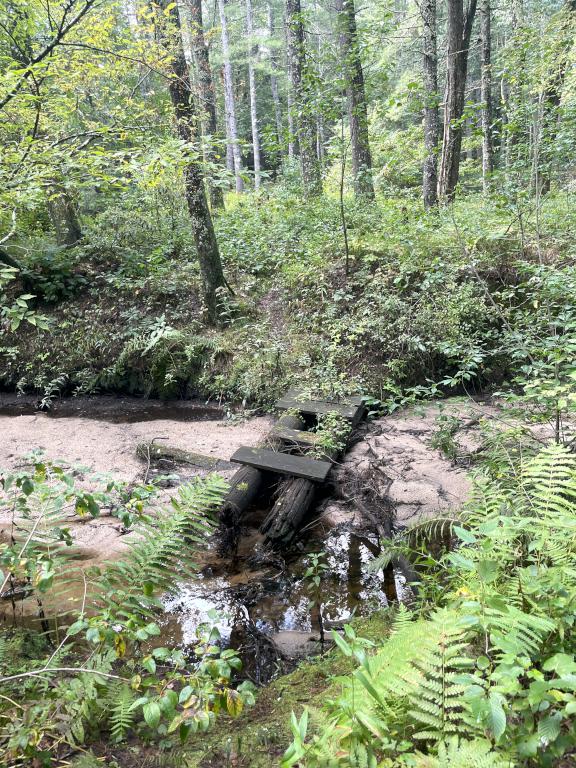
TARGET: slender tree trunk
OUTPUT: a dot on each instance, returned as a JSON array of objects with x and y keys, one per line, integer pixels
[
  {"x": 305, "y": 120},
  {"x": 206, "y": 91},
  {"x": 185, "y": 16},
  {"x": 356, "y": 96},
  {"x": 229, "y": 147},
  {"x": 253, "y": 103},
  {"x": 431, "y": 111},
  {"x": 293, "y": 149},
  {"x": 292, "y": 137},
  {"x": 131, "y": 12},
  {"x": 486, "y": 92},
  {"x": 229, "y": 102},
  {"x": 458, "y": 36},
  {"x": 552, "y": 96},
  {"x": 181, "y": 96},
  {"x": 64, "y": 216},
  {"x": 274, "y": 78}
]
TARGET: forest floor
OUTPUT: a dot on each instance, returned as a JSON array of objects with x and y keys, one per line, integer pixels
[{"x": 417, "y": 459}]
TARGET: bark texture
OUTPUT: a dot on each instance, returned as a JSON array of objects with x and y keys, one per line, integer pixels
[
  {"x": 305, "y": 120},
  {"x": 206, "y": 91},
  {"x": 274, "y": 78},
  {"x": 459, "y": 31},
  {"x": 200, "y": 218},
  {"x": 552, "y": 95},
  {"x": 253, "y": 100},
  {"x": 356, "y": 98},
  {"x": 229, "y": 101},
  {"x": 64, "y": 216},
  {"x": 431, "y": 111},
  {"x": 486, "y": 92}
]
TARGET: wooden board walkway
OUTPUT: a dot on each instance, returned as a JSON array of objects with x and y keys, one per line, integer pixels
[
  {"x": 296, "y": 493},
  {"x": 348, "y": 407},
  {"x": 283, "y": 463}
]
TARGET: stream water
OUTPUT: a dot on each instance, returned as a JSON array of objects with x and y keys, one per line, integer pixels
[
  {"x": 265, "y": 613},
  {"x": 261, "y": 604},
  {"x": 113, "y": 410}
]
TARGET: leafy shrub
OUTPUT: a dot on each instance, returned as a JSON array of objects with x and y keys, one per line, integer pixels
[
  {"x": 96, "y": 672},
  {"x": 490, "y": 670}
]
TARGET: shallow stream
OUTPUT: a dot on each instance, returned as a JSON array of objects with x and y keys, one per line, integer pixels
[{"x": 261, "y": 600}]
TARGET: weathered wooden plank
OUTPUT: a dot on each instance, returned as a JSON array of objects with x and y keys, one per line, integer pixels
[
  {"x": 320, "y": 408},
  {"x": 297, "y": 436},
  {"x": 160, "y": 452},
  {"x": 295, "y": 393},
  {"x": 283, "y": 463},
  {"x": 348, "y": 407}
]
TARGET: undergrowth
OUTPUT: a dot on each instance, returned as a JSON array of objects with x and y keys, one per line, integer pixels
[
  {"x": 450, "y": 298},
  {"x": 483, "y": 673}
]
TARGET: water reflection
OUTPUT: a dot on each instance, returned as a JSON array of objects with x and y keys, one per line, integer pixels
[{"x": 255, "y": 606}]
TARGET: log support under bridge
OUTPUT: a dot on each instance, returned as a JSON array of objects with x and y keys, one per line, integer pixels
[{"x": 300, "y": 475}]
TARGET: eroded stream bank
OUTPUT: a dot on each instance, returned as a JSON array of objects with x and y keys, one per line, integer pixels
[{"x": 261, "y": 601}]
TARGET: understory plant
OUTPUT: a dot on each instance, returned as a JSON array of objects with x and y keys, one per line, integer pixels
[
  {"x": 90, "y": 663},
  {"x": 484, "y": 674}
]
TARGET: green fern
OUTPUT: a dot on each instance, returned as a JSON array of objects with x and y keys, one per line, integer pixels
[
  {"x": 432, "y": 531},
  {"x": 448, "y": 678},
  {"x": 437, "y": 698},
  {"x": 121, "y": 717},
  {"x": 463, "y": 754},
  {"x": 162, "y": 546}
]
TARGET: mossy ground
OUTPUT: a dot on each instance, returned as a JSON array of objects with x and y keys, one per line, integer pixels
[{"x": 259, "y": 737}]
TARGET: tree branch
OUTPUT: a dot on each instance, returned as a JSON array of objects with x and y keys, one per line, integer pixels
[{"x": 62, "y": 31}]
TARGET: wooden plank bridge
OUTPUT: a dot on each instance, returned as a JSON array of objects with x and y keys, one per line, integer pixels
[{"x": 301, "y": 474}]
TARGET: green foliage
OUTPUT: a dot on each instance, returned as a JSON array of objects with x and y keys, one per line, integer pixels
[
  {"x": 490, "y": 672},
  {"x": 333, "y": 431},
  {"x": 121, "y": 697},
  {"x": 103, "y": 675},
  {"x": 443, "y": 438},
  {"x": 16, "y": 310}
]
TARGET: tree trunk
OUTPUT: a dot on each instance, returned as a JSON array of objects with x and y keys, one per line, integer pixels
[
  {"x": 252, "y": 86},
  {"x": 64, "y": 216},
  {"x": 431, "y": 111},
  {"x": 131, "y": 12},
  {"x": 229, "y": 103},
  {"x": 274, "y": 78},
  {"x": 458, "y": 35},
  {"x": 292, "y": 138},
  {"x": 356, "y": 96},
  {"x": 552, "y": 95},
  {"x": 200, "y": 218},
  {"x": 305, "y": 120},
  {"x": 206, "y": 90},
  {"x": 486, "y": 92}
]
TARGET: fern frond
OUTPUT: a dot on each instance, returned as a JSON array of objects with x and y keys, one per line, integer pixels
[
  {"x": 549, "y": 481},
  {"x": 463, "y": 754},
  {"x": 432, "y": 531},
  {"x": 121, "y": 717},
  {"x": 162, "y": 546}
]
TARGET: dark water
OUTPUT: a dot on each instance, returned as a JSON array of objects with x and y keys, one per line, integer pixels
[
  {"x": 265, "y": 613},
  {"x": 113, "y": 410}
]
